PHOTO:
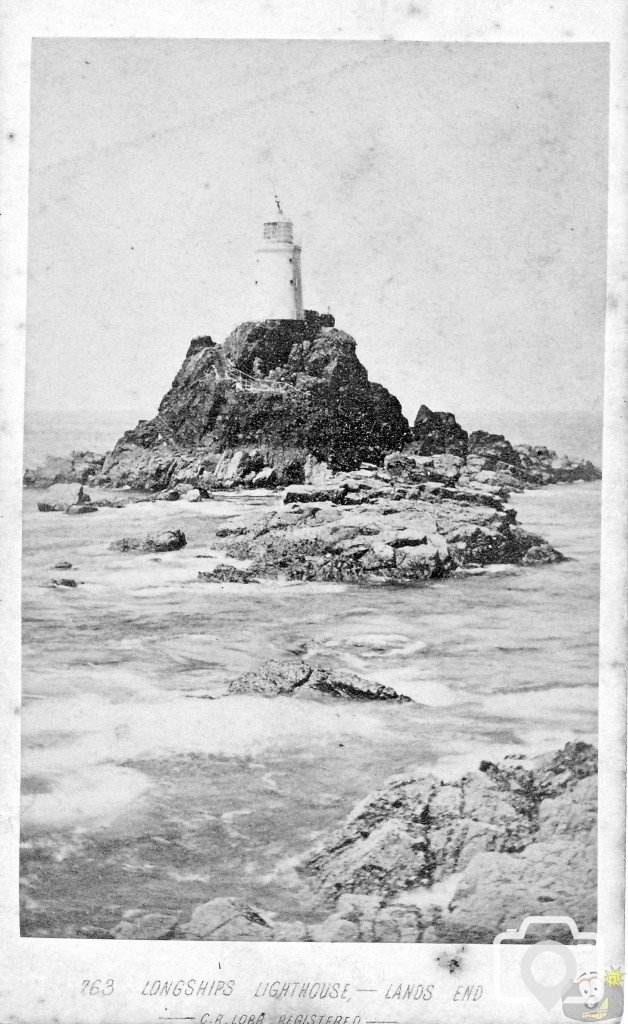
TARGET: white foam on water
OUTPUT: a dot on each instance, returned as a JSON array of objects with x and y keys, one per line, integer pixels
[
  {"x": 98, "y": 732},
  {"x": 89, "y": 796}
]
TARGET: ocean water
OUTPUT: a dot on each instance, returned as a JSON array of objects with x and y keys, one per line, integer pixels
[
  {"x": 53, "y": 432},
  {"x": 145, "y": 786}
]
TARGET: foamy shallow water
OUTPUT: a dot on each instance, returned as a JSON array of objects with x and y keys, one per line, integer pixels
[{"x": 148, "y": 786}]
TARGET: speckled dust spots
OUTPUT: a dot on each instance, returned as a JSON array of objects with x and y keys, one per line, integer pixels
[{"x": 451, "y": 961}]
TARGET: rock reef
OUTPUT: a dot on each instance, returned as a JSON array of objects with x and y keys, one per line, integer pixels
[{"x": 369, "y": 533}]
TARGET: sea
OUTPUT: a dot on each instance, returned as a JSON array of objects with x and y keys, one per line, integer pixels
[{"x": 146, "y": 786}]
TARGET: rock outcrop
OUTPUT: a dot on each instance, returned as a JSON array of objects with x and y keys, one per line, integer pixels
[
  {"x": 368, "y": 531},
  {"x": 69, "y": 498},
  {"x": 518, "y": 840},
  {"x": 522, "y": 465},
  {"x": 514, "y": 839},
  {"x": 418, "y": 830},
  {"x": 435, "y": 433},
  {"x": 78, "y": 467},
  {"x": 296, "y": 678},
  {"x": 275, "y": 392}
]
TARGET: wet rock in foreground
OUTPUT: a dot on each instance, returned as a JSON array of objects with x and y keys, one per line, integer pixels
[
  {"x": 522, "y": 841},
  {"x": 276, "y": 678},
  {"x": 516, "y": 839}
]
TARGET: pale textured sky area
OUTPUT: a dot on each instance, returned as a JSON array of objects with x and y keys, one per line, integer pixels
[{"x": 450, "y": 200}]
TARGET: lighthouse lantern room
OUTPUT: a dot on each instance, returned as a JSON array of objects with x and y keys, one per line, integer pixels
[{"x": 278, "y": 293}]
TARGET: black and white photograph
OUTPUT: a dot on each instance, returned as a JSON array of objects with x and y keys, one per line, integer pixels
[
  {"x": 319, "y": 702},
  {"x": 312, "y": 489}
]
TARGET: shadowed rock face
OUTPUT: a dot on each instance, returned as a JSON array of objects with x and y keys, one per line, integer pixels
[
  {"x": 325, "y": 406},
  {"x": 435, "y": 433},
  {"x": 283, "y": 678}
]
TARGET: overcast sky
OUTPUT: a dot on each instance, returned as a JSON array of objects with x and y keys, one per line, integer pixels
[{"x": 450, "y": 200}]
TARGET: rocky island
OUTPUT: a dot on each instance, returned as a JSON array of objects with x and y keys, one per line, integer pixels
[{"x": 287, "y": 404}]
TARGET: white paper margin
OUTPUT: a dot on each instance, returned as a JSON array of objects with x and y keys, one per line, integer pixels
[{"x": 40, "y": 978}]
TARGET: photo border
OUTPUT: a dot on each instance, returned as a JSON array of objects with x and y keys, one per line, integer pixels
[{"x": 40, "y": 979}]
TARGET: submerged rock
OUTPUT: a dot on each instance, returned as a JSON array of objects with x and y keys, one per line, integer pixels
[
  {"x": 81, "y": 509},
  {"x": 277, "y": 678},
  {"x": 169, "y": 540}
]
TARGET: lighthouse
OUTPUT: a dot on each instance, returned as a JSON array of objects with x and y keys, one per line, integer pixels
[{"x": 277, "y": 292}]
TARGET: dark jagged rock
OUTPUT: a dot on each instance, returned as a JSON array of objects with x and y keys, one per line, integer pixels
[
  {"x": 169, "y": 540},
  {"x": 276, "y": 678},
  {"x": 318, "y": 400},
  {"x": 282, "y": 395},
  {"x": 492, "y": 449},
  {"x": 435, "y": 433}
]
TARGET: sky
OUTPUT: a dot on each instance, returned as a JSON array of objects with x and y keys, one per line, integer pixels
[{"x": 450, "y": 199}]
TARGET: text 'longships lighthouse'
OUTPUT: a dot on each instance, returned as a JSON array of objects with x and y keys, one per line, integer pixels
[{"x": 278, "y": 293}]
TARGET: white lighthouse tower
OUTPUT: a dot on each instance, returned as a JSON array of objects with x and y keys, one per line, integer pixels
[{"x": 277, "y": 292}]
